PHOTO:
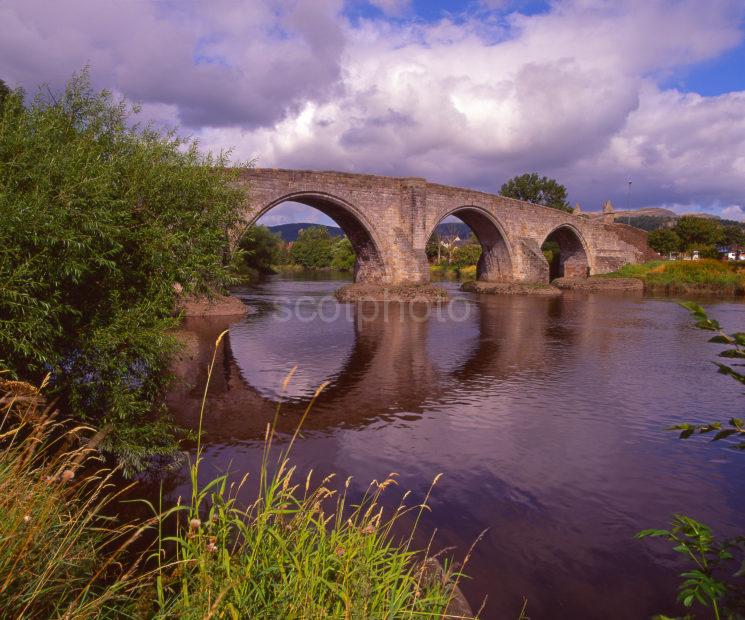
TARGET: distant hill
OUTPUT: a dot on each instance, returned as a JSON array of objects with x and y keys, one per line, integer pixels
[{"x": 289, "y": 232}]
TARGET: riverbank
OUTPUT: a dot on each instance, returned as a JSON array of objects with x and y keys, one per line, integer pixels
[
  {"x": 302, "y": 549},
  {"x": 700, "y": 277}
]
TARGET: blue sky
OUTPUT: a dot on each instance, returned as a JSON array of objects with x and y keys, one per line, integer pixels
[{"x": 590, "y": 92}]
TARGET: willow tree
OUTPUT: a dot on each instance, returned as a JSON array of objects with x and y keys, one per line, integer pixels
[{"x": 102, "y": 220}]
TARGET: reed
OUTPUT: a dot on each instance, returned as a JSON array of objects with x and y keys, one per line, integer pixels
[{"x": 300, "y": 549}]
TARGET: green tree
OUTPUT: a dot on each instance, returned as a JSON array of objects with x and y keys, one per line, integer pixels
[
  {"x": 468, "y": 253},
  {"x": 733, "y": 235},
  {"x": 343, "y": 256},
  {"x": 698, "y": 231},
  {"x": 538, "y": 190},
  {"x": 4, "y": 92},
  {"x": 665, "y": 241},
  {"x": 313, "y": 248},
  {"x": 261, "y": 249},
  {"x": 102, "y": 222}
]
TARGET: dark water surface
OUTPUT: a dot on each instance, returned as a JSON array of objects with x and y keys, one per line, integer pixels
[{"x": 546, "y": 417}]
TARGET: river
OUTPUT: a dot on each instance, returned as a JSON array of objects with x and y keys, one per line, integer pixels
[{"x": 547, "y": 417}]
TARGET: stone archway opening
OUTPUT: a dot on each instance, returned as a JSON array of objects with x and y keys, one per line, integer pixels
[
  {"x": 469, "y": 237},
  {"x": 369, "y": 266},
  {"x": 565, "y": 254}
]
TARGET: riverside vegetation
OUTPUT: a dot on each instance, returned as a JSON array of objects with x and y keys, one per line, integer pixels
[
  {"x": 105, "y": 224},
  {"x": 301, "y": 549},
  {"x": 703, "y": 277},
  {"x": 715, "y": 577}
]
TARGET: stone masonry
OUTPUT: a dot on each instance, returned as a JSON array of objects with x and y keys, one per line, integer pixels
[{"x": 389, "y": 220}]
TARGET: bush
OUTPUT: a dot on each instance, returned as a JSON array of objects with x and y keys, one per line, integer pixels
[
  {"x": 467, "y": 254},
  {"x": 343, "y": 256},
  {"x": 313, "y": 248},
  {"x": 102, "y": 222},
  {"x": 261, "y": 249}
]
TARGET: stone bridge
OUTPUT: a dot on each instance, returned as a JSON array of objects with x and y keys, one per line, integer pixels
[{"x": 389, "y": 220}]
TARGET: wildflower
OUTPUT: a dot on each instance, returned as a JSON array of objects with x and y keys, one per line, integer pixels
[
  {"x": 26, "y": 518},
  {"x": 211, "y": 546},
  {"x": 368, "y": 529},
  {"x": 194, "y": 524},
  {"x": 68, "y": 475},
  {"x": 339, "y": 551}
]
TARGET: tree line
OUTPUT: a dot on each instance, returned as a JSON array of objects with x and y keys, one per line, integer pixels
[
  {"x": 264, "y": 251},
  {"x": 690, "y": 233}
]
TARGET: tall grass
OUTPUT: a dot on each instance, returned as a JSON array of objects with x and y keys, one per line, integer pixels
[
  {"x": 59, "y": 556},
  {"x": 705, "y": 276},
  {"x": 300, "y": 549}
]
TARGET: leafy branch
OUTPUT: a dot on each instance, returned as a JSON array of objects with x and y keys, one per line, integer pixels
[{"x": 735, "y": 428}]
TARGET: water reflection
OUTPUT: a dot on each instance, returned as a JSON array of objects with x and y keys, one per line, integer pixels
[{"x": 546, "y": 416}]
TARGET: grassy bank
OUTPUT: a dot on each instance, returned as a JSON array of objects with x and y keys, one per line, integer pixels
[
  {"x": 701, "y": 277},
  {"x": 300, "y": 550},
  {"x": 453, "y": 272}
]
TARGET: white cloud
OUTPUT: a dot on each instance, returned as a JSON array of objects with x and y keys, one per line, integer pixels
[
  {"x": 573, "y": 92},
  {"x": 734, "y": 212},
  {"x": 392, "y": 7}
]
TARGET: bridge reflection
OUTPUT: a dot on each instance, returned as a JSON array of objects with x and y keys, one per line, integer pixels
[{"x": 395, "y": 364}]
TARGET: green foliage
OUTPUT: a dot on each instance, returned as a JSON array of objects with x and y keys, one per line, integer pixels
[
  {"x": 664, "y": 241},
  {"x": 467, "y": 254},
  {"x": 538, "y": 190},
  {"x": 313, "y": 249},
  {"x": 686, "y": 277},
  {"x": 343, "y": 256},
  {"x": 695, "y": 541},
  {"x": 735, "y": 428},
  {"x": 102, "y": 221},
  {"x": 698, "y": 231},
  {"x": 734, "y": 235},
  {"x": 59, "y": 556},
  {"x": 551, "y": 250},
  {"x": 4, "y": 93},
  {"x": 717, "y": 577},
  {"x": 301, "y": 549},
  {"x": 433, "y": 248},
  {"x": 261, "y": 248}
]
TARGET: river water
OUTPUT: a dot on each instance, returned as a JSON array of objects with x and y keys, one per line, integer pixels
[{"x": 547, "y": 418}]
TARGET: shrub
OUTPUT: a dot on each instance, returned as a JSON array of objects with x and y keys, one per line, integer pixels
[
  {"x": 313, "y": 248},
  {"x": 102, "y": 221}
]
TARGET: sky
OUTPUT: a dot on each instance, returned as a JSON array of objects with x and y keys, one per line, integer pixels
[{"x": 594, "y": 93}]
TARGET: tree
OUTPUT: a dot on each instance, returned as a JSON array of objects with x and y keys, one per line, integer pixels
[
  {"x": 698, "y": 231},
  {"x": 733, "y": 235},
  {"x": 468, "y": 253},
  {"x": 538, "y": 190},
  {"x": 4, "y": 92},
  {"x": 343, "y": 256},
  {"x": 261, "y": 249},
  {"x": 313, "y": 248},
  {"x": 665, "y": 241},
  {"x": 102, "y": 223}
]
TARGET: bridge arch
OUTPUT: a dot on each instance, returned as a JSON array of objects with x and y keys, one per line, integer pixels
[
  {"x": 495, "y": 262},
  {"x": 571, "y": 255},
  {"x": 370, "y": 265}
]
